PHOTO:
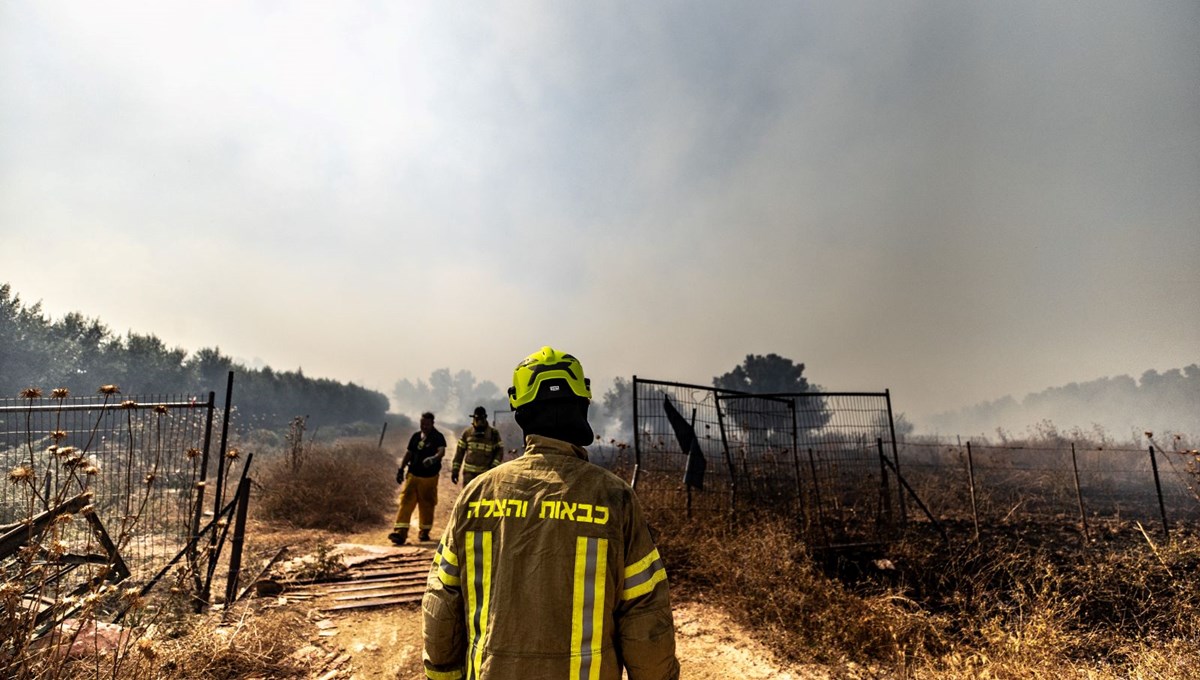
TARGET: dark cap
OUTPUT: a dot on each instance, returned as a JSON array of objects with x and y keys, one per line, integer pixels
[{"x": 480, "y": 412}]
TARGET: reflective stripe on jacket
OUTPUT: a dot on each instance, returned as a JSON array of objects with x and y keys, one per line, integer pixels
[
  {"x": 478, "y": 451},
  {"x": 547, "y": 570}
]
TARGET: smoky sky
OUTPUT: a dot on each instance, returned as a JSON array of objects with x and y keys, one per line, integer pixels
[{"x": 956, "y": 201}]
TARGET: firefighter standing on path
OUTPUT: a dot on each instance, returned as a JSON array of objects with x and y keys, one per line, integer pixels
[
  {"x": 479, "y": 449},
  {"x": 423, "y": 458},
  {"x": 546, "y": 568}
]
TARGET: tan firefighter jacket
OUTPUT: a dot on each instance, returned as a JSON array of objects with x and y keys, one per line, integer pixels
[
  {"x": 482, "y": 451},
  {"x": 546, "y": 569}
]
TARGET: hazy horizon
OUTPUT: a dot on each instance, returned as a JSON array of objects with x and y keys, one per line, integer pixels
[{"x": 955, "y": 202}]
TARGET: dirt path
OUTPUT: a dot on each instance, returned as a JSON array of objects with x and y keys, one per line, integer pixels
[{"x": 386, "y": 643}]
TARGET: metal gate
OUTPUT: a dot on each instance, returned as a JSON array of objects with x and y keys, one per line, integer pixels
[{"x": 827, "y": 459}]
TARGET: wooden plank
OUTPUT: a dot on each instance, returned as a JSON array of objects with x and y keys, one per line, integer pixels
[
  {"x": 375, "y": 596},
  {"x": 389, "y": 583},
  {"x": 343, "y": 578},
  {"x": 359, "y": 581},
  {"x": 372, "y": 604}
]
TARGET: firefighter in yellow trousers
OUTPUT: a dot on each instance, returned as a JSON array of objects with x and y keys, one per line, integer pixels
[
  {"x": 479, "y": 449},
  {"x": 423, "y": 458},
  {"x": 547, "y": 568}
]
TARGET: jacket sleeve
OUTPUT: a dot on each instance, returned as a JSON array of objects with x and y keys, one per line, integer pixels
[
  {"x": 460, "y": 450},
  {"x": 645, "y": 627},
  {"x": 444, "y": 626}
]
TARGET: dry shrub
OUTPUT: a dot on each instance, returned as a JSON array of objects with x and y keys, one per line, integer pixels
[
  {"x": 339, "y": 487},
  {"x": 1011, "y": 606},
  {"x": 763, "y": 576},
  {"x": 262, "y": 647}
]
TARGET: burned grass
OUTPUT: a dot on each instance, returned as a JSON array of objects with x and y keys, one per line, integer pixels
[{"x": 1017, "y": 604}]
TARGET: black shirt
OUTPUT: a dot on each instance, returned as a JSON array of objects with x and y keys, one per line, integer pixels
[{"x": 423, "y": 463}]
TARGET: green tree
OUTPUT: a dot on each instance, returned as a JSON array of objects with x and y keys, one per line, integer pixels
[{"x": 770, "y": 374}]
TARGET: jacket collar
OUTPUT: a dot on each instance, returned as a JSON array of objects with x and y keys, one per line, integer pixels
[{"x": 536, "y": 444}]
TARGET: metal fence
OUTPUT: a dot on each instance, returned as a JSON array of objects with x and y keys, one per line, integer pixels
[
  {"x": 1097, "y": 489},
  {"x": 823, "y": 458},
  {"x": 112, "y": 487}
]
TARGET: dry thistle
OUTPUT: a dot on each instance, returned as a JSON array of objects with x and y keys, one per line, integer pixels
[
  {"x": 21, "y": 473},
  {"x": 193, "y": 452},
  {"x": 60, "y": 393},
  {"x": 64, "y": 451},
  {"x": 10, "y": 591},
  {"x": 31, "y": 393},
  {"x": 150, "y": 479},
  {"x": 128, "y": 404},
  {"x": 233, "y": 454},
  {"x": 160, "y": 409},
  {"x": 91, "y": 470},
  {"x": 65, "y": 518},
  {"x": 108, "y": 389},
  {"x": 58, "y": 435},
  {"x": 145, "y": 647}
]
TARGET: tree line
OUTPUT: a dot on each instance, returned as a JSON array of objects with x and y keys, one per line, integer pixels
[
  {"x": 1114, "y": 406},
  {"x": 82, "y": 353}
]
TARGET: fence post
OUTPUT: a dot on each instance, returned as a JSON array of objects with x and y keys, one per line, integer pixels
[
  {"x": 197, "y": 581},
  {"x": 887, "y": 393},
  {"x": 239, "y": 536},
  {"x": 728, "y": 462},
  {"x": 637, "y": 441},
  {"x": 1162, "y": 508},
  {"x": 800, "y": 500},
  {"x": 1079, "y": 494},
  {"x": 971, "y": 479},
  {"x": 688, "y": 453},
  {"x": 220, "y": 490},
  {"x": 885, "y": 498}
]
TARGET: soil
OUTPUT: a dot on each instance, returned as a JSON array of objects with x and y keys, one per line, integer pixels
[{"x": 386, "y": 643}]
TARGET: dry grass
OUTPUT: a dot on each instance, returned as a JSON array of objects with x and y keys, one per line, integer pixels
[
  {"x": 1017, "y": 606},
  {"x": 766, "y": 579},
  {"x": 341, "y": 487},
  {"x": 263, "y": 647}
]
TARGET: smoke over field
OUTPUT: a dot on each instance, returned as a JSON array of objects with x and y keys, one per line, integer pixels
[{"x": 1114, "y": 406}]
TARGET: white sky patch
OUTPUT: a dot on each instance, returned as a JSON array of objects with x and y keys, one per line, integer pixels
[{"x": 955, "y": 201}]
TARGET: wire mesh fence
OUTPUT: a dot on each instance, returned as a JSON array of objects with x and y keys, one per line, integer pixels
[
  {"x": 139, "y": 459},
  {"x": 1069, "y": 483},
  {"x": 818, "y": 457}
]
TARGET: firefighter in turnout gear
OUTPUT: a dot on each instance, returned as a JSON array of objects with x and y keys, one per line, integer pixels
[
  {"x": 547, "y": 568},
  {"x": 423, "y": 458},
  {"x": 479, "y": 449}
]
